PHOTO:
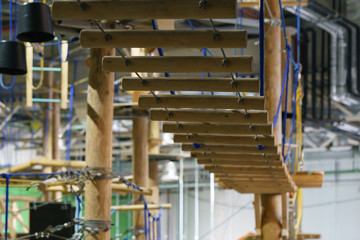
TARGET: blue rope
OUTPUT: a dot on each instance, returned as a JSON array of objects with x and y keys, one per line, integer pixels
[
  {"x": 261, "y": 47},
  {"x": 15, "y": 20},
  {"x": 7, "y": 177},
  {"x": 298, "y": 19},
  {"x": 7, "y": 87},
  {"x": 285, "y": 111},
  {"x": 71, "y": 109},
  {"x": 10, "y": 20}
]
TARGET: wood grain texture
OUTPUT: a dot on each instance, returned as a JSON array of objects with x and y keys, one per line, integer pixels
[
  {"x": 143, "y": 9},
  {"x": 218, "y": 139},
  {"x": 191, "y": 84},
  {"x": 93, "y": 38},
  {"x": 232, "y": 156},
  {"x": 200, "y": 101},
  {"x": 209, "y": 116},
  {"x": 213, "y": 128},
  {"x": 177, "y": 64},
  {"x": 229, "y": 149}
]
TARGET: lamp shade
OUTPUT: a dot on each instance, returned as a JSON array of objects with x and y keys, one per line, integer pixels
[
  {"x": 12, "y": 58},
  {"x": 34, "y": 23}
]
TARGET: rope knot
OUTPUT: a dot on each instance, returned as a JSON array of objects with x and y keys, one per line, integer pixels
[{"x": 288, "y": 48}]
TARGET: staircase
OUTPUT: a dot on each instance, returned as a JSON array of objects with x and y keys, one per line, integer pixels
[{"x": 229, "y": 134}]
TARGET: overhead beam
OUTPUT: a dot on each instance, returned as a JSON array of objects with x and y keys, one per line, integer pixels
[
  {"x": 177, "y": 64},
  {"x": 201, "y": 101},
  {"x": 209, "y": 116},
  {"x": 93, "y": 38},
  {"x": 213, "y": 128},
  {"x": 218, "y": 139},
  {"x": 229, "y": 149},
  {"x": 143, "y": 9},
  {"x": 191, "y": 84}
]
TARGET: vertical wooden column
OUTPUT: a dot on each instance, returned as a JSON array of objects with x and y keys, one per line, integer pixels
[
  {"x": 29, "y": 75},
  {"x": 64, "y": 73},
  {"x": 55, "y": 143},
  {"x": 271, "y": 203},
  {"x": 99, "y": 139},
  {"x": 48, "y": 123},
  {"x": 140, "y": 161}
]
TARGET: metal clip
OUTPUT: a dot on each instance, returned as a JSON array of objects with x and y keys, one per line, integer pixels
[{"x": 203, "y": 4}]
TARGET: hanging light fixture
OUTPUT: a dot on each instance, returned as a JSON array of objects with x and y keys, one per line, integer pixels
[
  {"x": 34, "y": 23},
  {"x": 170, "y": 173},
  {"x": 12, "y": 53}
]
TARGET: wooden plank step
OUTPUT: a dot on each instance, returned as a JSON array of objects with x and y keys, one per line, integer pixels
[
  {"x": 241, "y": 162},
  {"x": 218, "y": 139},
  {"x": 143, "y": 9},
  {"x": 94, "y": 38},
  {"x": 201, "y": 101},
  {"x": 253, "y": 179},
  {"x": 211, "y": 128},
  {"x": 285, "y": 3},
  {"x": 266, "y": 190},
  {"x": 308, "y": 179},
  {"x": 191, "y": 84},
  {"x": 265, "y": 169},
  {"x": 257, "y": 184},
  {"x": 177, "y": 64},
  {"x": 230, "y": 156},
  {"x": 269, "y": 150},
  {"x": 209, "y": 116},
  {"x": 274, "y": 176}
]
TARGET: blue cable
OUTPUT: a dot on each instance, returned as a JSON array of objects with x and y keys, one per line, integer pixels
[
  {"x": 71, "y": 109},
  {"x": 10, "y": 20},
  {"x": 7, "y": 87},
  {"x": 15, "y": 20},
  {"x": 261, "y": 47}
]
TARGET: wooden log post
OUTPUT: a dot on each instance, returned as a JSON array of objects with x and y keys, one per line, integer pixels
[
  {"x": 140, "y": 161},
  {"x": 271, "y": 203},
  {"x": 48, "y": 123},
  {"x": 99, "y": 139}
]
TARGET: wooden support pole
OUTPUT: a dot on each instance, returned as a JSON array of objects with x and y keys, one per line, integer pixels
[
  {"x": 285, "y": 216},
  {"x": 271, "y": 203},
  {"x": 91, "y": 38},
  {"x": 143, "y": 9},
  {"x": 209, "y": 116},
  {"x": 192, "y": 84},
  {"x": 64, "y": 74},
  {"x": 29, "y": 75},
  {"x": 140, "y": 165},
  {"x": 178, "y": 64},
  {"x": 99, "y": 139},
  {"x": 201, "y": 101},
  {"x": 56, "y": 150}
]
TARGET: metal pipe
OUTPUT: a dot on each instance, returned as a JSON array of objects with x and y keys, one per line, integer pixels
[
  {"x": 181, "y": 201},
  {"x": 196, "y": 205},
  {"x": 322, "y": 83},
  {"x": 212, "y": 203},
  {"x": 305, "y": 73},
  {"x": 313, "y": 71}
]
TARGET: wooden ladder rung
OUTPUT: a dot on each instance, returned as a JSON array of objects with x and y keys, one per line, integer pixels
[
  {"x": 264, "y": 190},
  {"x": 93, "y": 38},
  {"x": 177, "y": 64},
  {"x": 255, "y": 184},
  {"x": 249, "y": 169},
  {"x": 191, "y": 84},
  {"x": 213, "y": 128},
  {"x": 201, "y": 101},
  {"x": 247, "y": 162},
  {"x": 273, "y": 176},
  {"x": 209, "y": 116},
  {"x": 230, "y": 149},
  {"x": 143, "y": 9},
  {"x": 231, "y": 156},
  {"x": 218, "y": 139}
]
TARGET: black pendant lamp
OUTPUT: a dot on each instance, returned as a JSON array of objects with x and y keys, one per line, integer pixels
[
  {"x": 12, "y": 53},
  {"x": 34, "y": 23},
  {"x": 12, "y": 59}
]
